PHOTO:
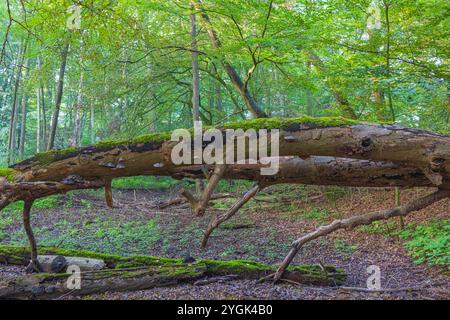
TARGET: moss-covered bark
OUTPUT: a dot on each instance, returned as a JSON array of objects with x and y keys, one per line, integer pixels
[
  {"x": 143, "y": 272},
  {"x": 7, "y": 174},
  {"x": 303, "y": 136}
]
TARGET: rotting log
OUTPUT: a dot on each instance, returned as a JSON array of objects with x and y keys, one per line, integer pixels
[
  {"x": 312, "y": 170},
  {"x": 304, "y": 137},
  {"x": 389, "y": 147},
  {"x": 144, "y": 272},
  {"x": 59, "y": 263}
]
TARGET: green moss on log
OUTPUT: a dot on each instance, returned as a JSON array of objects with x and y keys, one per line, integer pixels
[
  {"x": 20, "y": 253},
  {"x": 178, "y": 269},
  {"x": 284, "y": 123},
  {"x": 152, "y": 137},
  {"x": 50, "y": 156},
  {"x": 238, "y": 267},
  {"x": 262, "y": 123},
  {"x": 9, "y": 174}
]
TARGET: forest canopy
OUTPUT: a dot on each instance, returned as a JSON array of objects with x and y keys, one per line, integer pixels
[{"x": 126, "y": 66}]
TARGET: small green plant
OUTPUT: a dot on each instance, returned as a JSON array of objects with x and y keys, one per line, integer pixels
[
  {"x": 129, "y": 237},
  {"x": 47, "y": 203},
  {"x": 227, "y": 251},
  {"x": 429, "y": 243},
  {"x": 317, "y": 215},
  {"x": 344, "y": 247},
  {"x": 387, "y": 228},
  {"x": 334, "y": 193},
  {"x": 85, "y": 203}
]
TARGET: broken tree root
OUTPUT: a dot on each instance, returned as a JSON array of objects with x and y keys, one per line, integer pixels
[
  {"x": 218, "y": 219},
  {"x": 355, "y": 221}
]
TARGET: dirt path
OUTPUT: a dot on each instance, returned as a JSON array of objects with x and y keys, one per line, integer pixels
[{"x": 261, "y": 232}]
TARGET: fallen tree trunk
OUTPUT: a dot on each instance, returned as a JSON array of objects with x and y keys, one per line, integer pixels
[
  {"x": 304, "y": 137},
  {"x": 142, "y": 272},
  {"x": 313, "y": 170},
  {"x": 59, "y": 263}
]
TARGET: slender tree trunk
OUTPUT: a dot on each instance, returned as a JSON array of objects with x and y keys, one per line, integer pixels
[
  {"x": 195, "y": 84},
  {"x": 343, "y": 103},
  {"x": 218, "y": 97},
  {"x": 59, "y": 94},
  {"x": 309, "y": 99},
  {"x": 38, "y": 121},
  {"x": 92, "y": 121},
  {"x": 379, "y": 101},
  {"x": 195, "y": 72},
  {"x": 5, "y": 84},
  {"x": 78, "y": 113},
  {"x": 388, "y": 59},
  {"x": 250, "y": 102},
  {"x": 14, "y": 109},
  {"x": 44, "y": 118},
  {"x": 23, "y": 126}
]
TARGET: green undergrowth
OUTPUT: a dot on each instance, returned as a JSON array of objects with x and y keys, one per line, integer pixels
[
  {"x": 345, "y": 247},
  {"x": 319, "y": 215},
  {"x": 42, "y": 203},
  {"x": 386, "y": 228},
  {"x": 429, "y": 243},
  {"x": 144, "y": 182}
]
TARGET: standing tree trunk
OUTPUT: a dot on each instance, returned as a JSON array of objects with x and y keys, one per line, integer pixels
[
  {"x": 388, "y": 59},
  {"x": 14, "y": 110},
  {"x": 343, "y": 103},
  {"x": 59, "y": 94},
  {"x": 38, "y": 121},
  {"x": 379, "y": 103},
  {"x": 92, "y": 120},
  {"x": 195, "y": 72},
  {"x": 218, "y": 97},
  {"x": 23, "y": 126},
  {"x": 250, "y": 102},
  {"x": 309, "y": 98},
  {"x": 78, "y": 111},
  {"x": 44, "y": 117},
  {"x": 195, "y": 84}
]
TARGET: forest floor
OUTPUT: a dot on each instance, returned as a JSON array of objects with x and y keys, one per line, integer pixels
[{"x": 262, "y": 231}]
